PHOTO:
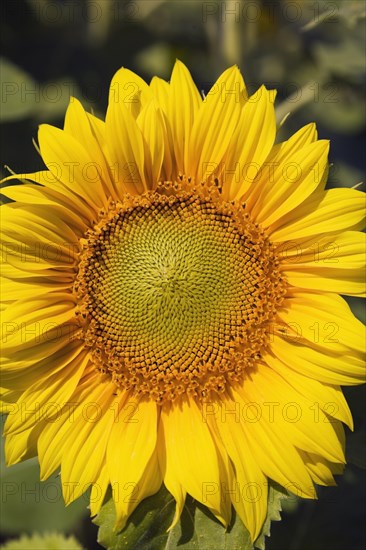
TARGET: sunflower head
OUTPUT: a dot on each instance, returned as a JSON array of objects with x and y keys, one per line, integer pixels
[{"x": 183, "y": 271}]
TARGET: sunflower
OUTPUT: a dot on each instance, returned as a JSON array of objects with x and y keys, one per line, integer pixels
[{"x": 172, "y": 310}]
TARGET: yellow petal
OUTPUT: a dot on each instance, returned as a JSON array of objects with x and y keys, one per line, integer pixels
[
  {"x": 251, "y": 486},
  {"x": 161, "y": 92},
  {"x": 20, "y": 446},
  {"x": 251, "y": 143},
  {"x": 20, "y": 374},
  {"x": 49, "y": 189},
  {"x": 329, "y": 367},
  {"x": 131, "y": 448},
  {"x": 129, "y": 91},
  {"x": 215, "y": 124},
  {"x": 323, "y": 320},
  {"x": 36, "y": 320},
  {"x": 184, "y": 104},
  {"x": 319, "y": 468},
  {"x": 344, "y": 250},
  {"x": 71, "y": 164},
  {"x": 191, "y": 457},
  {"x": 98, "y": 491},
  {"x": 293, "y": 414},
  {"x": 54, "y": 438},
  {"x": 87, "y": 131},
  {"x": 263, "y": 183},
  {"x": 20, "y": 289},
  {"x": 333, "y": 210},
  {"x": 126, "y": 146},
  {"x": 333, "y": 262},
  {"x": 30, "y": 234},
  {"x": 45, "y": 398},
  {"x": 258, "y": 415},
  {"x": 28, "y": 194},
  {"x": 151, "y": 124},
  {"x": 293, "y": 179},
  {"x": 328, "y": 398},
  {"x": 86, "y": 442},
  {"x": 326, "y": 280},
  {"x": 170, "y": 481}
]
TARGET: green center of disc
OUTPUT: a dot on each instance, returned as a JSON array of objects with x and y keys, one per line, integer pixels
[{"x": 168, "y": 277}]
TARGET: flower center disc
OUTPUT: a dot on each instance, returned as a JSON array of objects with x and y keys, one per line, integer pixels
[{"x": 177, "y": 290}]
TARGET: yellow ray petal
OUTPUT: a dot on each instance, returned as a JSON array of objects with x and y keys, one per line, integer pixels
[
  {"x": 86, "y": 442},
  {"x": 251, "y": 144},
  {"x": 54, "y": 439},
  {"x": 15, "y": 289},
  {"x": 283, "y": 464},
  {"x": 77, "y": 125},
  {"x": 151, "y": 124},
  {"x": 21, "y": 374},
  {"x": 323, "y": 319},
  {"x": 228, "y": 484},
  {"x": 328, "y": 398},
  {"x": 333, "y": 210},
  {"x": 133, "y": 493},
  {"x": 215, "y": 124},
  {"x": 88, "y": 132},
  {"x": 251, "y": 485},
  {"x": 135, "y": 433},
  {"x": 21, "y": 257},
  {"x": 319, "y": 468},
  {"x": 184, "y": 104},
  {"x": 331, "y": 368},
  {"x": 52, "y": 229},
  {"x": 36, "y": 320},
  {"x": 334, "y": 262},
  {"x": 326, "y": 280},
  {"x": 8, "y": 399},
  {"x": 28, "y": 194},
  {"x": 161, "y": 91},
  {"x": 257, "y": 192},
  {"x": 129, "y": 91},
  {"x": 294, "y": 415},
  {"x": 50, "y": 189},
  {"x": 29, "y": 235},
  {"x": 98, "y": 491},
  {"x": 45, "y": 398},
  {"x": 38, "y": 356},
  {"x": 345, "y": 250},
  {"x": 294, "y": 178},
  {"x": 127, "y": 152},
  {"x": 21, "y": 446},
  {"x": 191, "y": 457},
  {"x": 70, "y": 163},
  {"x": 170, "y": 481}
]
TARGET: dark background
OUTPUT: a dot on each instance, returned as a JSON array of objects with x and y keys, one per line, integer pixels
[{"x": 312, "y": 52}]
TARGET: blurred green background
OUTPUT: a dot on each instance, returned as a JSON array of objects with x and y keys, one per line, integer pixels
[{"x": 312, "y": 52}]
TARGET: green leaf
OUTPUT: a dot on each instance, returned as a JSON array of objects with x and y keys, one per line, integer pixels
[
  {"x": 50, "y": 541},
  {"x": 197, "y": 529},
  {"x": 275, "y": 496},
  {"x": 147, "y": 523},
  {"x": 29, "y": 504},
  {"x": 22, "y": 97},
  {"x": 16, "y": 83},
  {"x": 155, "y": 58}
]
